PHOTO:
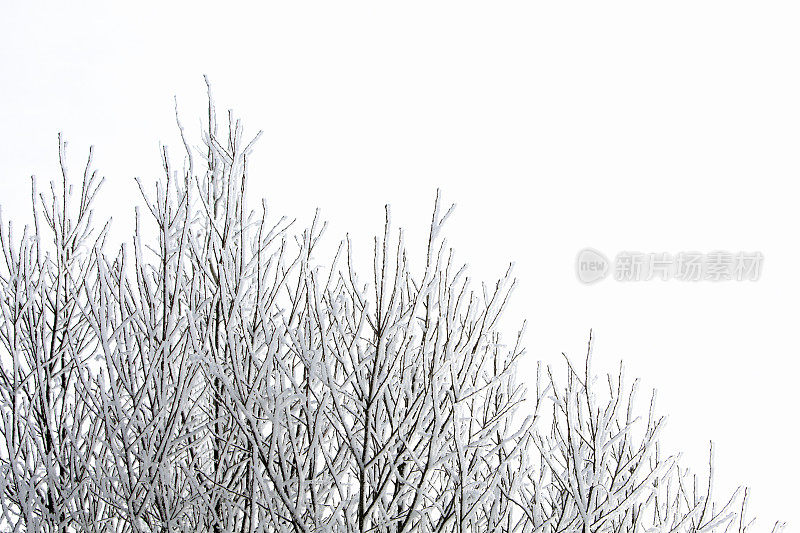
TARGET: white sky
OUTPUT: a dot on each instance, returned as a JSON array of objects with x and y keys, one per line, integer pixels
[{"x": 656, "y": 127}]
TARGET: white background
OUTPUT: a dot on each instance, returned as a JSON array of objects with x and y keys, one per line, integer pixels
[{"x": 656, "y": 127}]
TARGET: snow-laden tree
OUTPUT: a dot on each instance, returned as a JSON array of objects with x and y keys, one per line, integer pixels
[
  {"x": 214, "y": 375},
  {"x": 596, "y": 464}
]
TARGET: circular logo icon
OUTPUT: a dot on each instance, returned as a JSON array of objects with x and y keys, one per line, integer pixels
[{"x": 591, "y": 265}]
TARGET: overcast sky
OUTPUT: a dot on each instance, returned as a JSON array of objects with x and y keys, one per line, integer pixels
[{"x": 622, "y": 126}]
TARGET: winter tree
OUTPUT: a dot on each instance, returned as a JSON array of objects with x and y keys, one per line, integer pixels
[{"x": 213, "y": 375}]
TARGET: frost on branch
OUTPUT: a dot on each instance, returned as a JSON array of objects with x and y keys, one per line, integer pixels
[{"x": 211, "y": 375}]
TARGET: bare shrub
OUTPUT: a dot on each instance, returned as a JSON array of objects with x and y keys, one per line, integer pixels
[{"x": 212, "y": 376}]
